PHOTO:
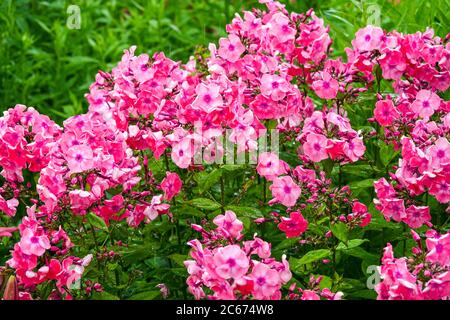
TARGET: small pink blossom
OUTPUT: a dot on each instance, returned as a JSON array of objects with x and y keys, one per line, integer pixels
[
  {"x": 230, "y": 262},
  {"x": 368, "y": 38},
  {"x": 326, "y": 87},
  {"x": 171, "y": 185},
  {"x": 80, "y": 158},
  {"x": 32, "y": 243},
  {"x": 230, "y": 223},
  {"x": 285, "y": 191},
  {"x": 315, "y": 147},
  {"x": 270, "y": 166},
  {"x": 385, "y": 112},
  {"x": 426, "y": 103},
  {"x": 231, "y": 48}
]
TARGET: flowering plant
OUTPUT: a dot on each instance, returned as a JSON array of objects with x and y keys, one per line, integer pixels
[{"x": 168, "y": 186}]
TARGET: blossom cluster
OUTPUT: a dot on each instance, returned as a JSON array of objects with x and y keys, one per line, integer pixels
[
  {"x": 425, "y": 275},
  {"x": 231, "y": 268},
  {"x": 272, "y": 70}
]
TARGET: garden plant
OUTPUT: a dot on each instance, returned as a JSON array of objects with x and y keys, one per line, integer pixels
[{"x": 265, "y": 166}]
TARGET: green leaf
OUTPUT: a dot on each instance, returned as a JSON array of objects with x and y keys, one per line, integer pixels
[
  {"x": 232, "y": 167},
  {"x": 104, "y": 296},
  {"x": 359, "y": 252},
  {"x": 366, "y": 183},
  {"x": 96, "y": 221},
  {"x": 340, "y": 231},
  {"x": 287, "y": 243},
  {"x": 328, "y": 165},
  {"x": 245, "y": 211},
  {"x": 309, "y": 257},
  {"x": 387, "y": 153},
  {"x": 206, "y": 204},
  {"x": 211, "y": 179},
  {"x": 178, "y": 258},
  {"x": 147, "y": 295},
  {"x": 351, "y": 244}
]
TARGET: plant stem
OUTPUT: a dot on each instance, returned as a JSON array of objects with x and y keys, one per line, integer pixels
[{"x": 222, "y": 194}]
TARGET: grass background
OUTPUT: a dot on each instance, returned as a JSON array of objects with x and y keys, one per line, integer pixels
[{"x": 45, "y": 64}]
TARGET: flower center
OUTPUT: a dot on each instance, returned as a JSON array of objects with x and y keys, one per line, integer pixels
[
  {"x": 231, "y": 262},
  {"x": 207, "y": 98},
  {"x": 260, "y": 281}
]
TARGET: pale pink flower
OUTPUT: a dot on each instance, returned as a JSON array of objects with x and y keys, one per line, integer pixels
[
  {"x": 385, "y": 113},
  {"x": 274, "y": 86},
  {"x": 266, "y": 281},
  {"x": 80, "y": 158},
  {"x": 230, "y": 223},
  {"x": 230, "y": 262},
  {"x": 231, "y": 48},
  {"x": 354, "y": 149},
  {"x": 426, "y": 103},
  {"x": 315, "y": 147},
  {"x": 270, "y": 166},
  {"x": 368, "y": 38},
  {"x": 326, "y": 87},
  {"x": 182, "y": 153},
  {"x": 208, "y": 97},
  {"x": 285, "y": 191},
  {"x": 32, "y": 243},
  {"x": 440, "y": 153},
  {"x": 280, "y": 28}
]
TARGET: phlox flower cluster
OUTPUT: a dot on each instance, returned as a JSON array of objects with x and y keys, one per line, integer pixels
[
  {"x": 225, "y": 267},
  {"x": 424, "y": 275}
]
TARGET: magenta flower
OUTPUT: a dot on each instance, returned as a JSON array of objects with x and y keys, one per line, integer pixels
[
  {"x": 385, "y": 113},
  {"x": 7, "y": 231},
  {"x": 439, "y": 250},
  {"x": 395, "y": 209},
  {"x": 417, "y": 216},
  {"x": 171, "y": 185},
  {"x": 293, "y": 226}
]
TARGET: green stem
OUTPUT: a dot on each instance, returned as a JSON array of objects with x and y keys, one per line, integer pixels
[{"x": 222, "y": 194}]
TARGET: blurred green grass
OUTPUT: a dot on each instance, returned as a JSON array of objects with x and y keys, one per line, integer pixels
[{"x": 45, "y": 64}]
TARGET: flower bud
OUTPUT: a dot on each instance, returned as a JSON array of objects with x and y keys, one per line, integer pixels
[{"x": 11, "y": 292}]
